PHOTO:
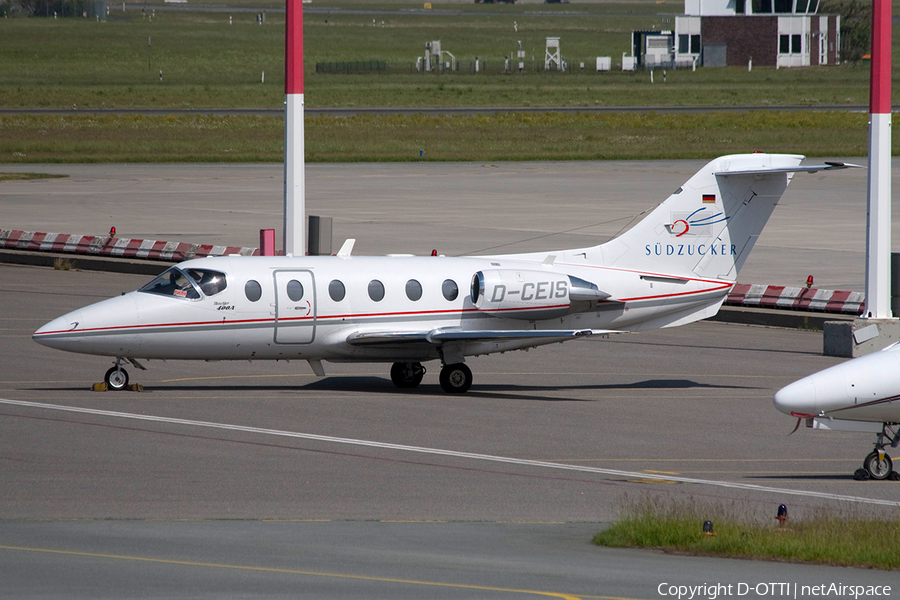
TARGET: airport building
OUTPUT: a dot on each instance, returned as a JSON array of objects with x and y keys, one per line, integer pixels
[{"x": 719, "y": 33}]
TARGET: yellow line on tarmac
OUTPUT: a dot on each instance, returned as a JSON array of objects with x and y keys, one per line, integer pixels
[{"x": 299, "y": 572}]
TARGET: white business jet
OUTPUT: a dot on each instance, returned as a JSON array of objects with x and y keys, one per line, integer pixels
[
  {"x": 674, "y": 267},
  {"x": 862, "y": 394}
]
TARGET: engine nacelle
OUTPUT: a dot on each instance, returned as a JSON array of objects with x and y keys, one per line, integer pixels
[{"x": 532, "y": 295}]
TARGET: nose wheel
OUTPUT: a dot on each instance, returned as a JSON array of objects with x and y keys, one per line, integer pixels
[
  {"x": 878, "y": 465},
  {"x": 116, "y": 378}
]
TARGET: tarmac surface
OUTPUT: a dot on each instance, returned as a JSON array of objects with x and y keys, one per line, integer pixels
[{"x": 259, "y": 479}]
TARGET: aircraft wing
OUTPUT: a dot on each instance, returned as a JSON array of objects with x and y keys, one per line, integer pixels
[{"x": 440, "y": 336}]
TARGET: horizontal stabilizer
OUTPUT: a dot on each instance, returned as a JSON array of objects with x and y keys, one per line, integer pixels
[{"x": 828, "y": 166}]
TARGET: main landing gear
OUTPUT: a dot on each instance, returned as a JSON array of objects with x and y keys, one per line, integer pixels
[
  {"x": 455, "y": 378},
  {"x": 878, "y": 465},
  {"x": 407, "y": 375}
]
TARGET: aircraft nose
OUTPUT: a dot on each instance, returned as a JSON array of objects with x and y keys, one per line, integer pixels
[
  {"x": 798, "y": 397},
  {"x": 52, "y": 334}
]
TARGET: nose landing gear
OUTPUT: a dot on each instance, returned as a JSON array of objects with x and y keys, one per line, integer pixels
[
  {"x": 117, "y": 378},
  {"x": 878, "y": 465}
]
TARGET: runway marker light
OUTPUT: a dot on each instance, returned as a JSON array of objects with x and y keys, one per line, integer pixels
[
  {"x": 782, "y": 515},
  {"x": 809, "y": 282},
  {"x": 708, "y": 528},
  {"x": 112, "y": 231},
  {"x": 434, "y": 252}
]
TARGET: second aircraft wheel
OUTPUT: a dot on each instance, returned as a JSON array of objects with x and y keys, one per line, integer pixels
[
  {"x": 407, "y": 375},
  {"x": 456, "y": 379},
  {"x": 877, "y": 468},
  {"x": 116, "y": 379}
]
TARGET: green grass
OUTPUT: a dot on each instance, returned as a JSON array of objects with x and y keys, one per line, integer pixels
[
  {"x": 503, "y": 136},
  {"x": 76, "y": 63},
  {"x": 206, "y": 63},
  {"x": 829, "y": 540},
  {"x": 28, "y": 176}
]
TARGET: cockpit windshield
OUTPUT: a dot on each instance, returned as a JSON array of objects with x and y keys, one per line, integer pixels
[
  {"x": 185, "y": 284},
  {"x": 210, "y": 282}
]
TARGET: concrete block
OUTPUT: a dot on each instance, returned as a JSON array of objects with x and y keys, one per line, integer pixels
[{"x": 850, "y": 339}]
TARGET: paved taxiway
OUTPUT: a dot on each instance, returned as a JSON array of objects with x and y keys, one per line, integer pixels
[{"x": 178, "y": 504}]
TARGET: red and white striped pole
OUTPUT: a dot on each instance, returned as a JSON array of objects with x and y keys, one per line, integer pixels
[
  {"x": 878, "y": 230},
  {"x": 294, "y": 177}
]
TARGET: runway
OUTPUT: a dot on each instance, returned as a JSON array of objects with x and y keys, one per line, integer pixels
[{"x": 133, "y": 497}]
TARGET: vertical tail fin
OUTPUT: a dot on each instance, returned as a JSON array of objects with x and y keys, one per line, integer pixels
[{"x": 708, "y": 227}]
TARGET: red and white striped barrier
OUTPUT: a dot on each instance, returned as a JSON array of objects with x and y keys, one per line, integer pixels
[
  {"x": 796, "y": 298},
  {"x": 15, "y": 239},
  {"x": 742, "y": 294}
]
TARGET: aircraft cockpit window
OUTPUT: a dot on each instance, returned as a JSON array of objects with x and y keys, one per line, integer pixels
[
  {"x": 210, "y": 282},
  {"x": 172, "y": 282},
  {"x": 450, "y": 289}
]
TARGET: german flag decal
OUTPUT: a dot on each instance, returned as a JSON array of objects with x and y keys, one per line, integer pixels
[{"x": 709, "y": 198}]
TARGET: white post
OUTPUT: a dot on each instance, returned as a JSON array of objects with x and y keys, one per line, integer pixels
[
  {"x": 878, "y": 228},
  {"x": 294, "y": 184}
]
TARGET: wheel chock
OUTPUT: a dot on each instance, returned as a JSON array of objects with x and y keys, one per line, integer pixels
[
  {"x": 135, "y": 387},
  {"x": 99, "y": 387}
]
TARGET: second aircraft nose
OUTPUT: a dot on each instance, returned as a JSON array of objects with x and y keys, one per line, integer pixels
[{"x": 798, "y": 397}]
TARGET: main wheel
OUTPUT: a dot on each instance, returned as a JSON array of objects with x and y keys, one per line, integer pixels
[
  {"x": 877, "y": 468},
  {"x": 456, "y": 379},
  {"x": 116, "y": 379},
  {"x": 407, "y": 375}
]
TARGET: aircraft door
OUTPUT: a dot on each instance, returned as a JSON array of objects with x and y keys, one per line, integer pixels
[{"x": 295, "y": 307}]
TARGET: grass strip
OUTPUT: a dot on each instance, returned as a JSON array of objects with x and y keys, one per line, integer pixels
[
  {"x": 827, "y": 540},
  {"x": 495, "y": 137},
  {"x": 28, "y": 176}
]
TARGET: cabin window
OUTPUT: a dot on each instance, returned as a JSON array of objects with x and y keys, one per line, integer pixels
[
  {"x": 210, "y": 282},
  {"x": 173, "y": 282},
  {"x": 376, "y": 290},
  {"x": 295, "y": 290},
  {"x": 450, "y": 289},
  {"x": 253, "y": 290},
  {"x": 413, "y": 290},
  {"x": 336, "y": 290}
]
